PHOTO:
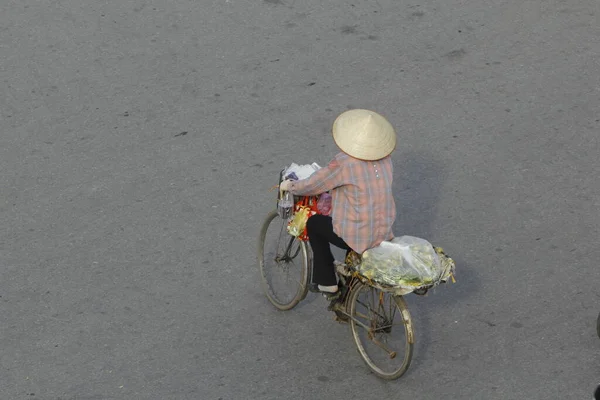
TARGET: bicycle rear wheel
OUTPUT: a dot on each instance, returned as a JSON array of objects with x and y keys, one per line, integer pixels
[
  {"x": 382, "y": 329},
  {"x": 283, "y": 262}
]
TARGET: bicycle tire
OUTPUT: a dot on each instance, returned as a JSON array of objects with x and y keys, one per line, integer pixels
[
  {"x": 406, "y": 322},
  {"x": 269, "y": 263}
]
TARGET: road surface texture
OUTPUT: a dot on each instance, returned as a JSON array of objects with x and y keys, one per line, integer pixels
[{"x": 138, "y": 141}]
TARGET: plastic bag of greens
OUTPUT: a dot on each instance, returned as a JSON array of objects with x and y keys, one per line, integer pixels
[{"x": 405, "y": 264}]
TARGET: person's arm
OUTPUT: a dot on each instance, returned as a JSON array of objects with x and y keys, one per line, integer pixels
[{"x": 321, "y": 181}]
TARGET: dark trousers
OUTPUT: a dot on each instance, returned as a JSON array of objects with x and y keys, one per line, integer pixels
[{"x": 321, "y": 235}]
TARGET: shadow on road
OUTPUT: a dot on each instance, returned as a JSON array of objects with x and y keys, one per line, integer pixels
[{"x": 419, "y": 178}]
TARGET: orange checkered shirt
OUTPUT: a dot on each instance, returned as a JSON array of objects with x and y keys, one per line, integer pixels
[{"x": 362, "y": 203}]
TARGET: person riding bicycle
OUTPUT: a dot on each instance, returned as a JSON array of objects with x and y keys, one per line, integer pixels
[{"x": 359, "y": 179}]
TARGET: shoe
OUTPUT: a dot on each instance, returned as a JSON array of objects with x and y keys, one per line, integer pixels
[{"x": 314, "y": 288}]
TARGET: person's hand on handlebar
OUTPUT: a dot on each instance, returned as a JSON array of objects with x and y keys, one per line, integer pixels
[{"x": 285, "y": 185}]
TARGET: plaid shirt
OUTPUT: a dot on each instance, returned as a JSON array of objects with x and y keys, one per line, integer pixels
[{"x": 362, "y": 205}]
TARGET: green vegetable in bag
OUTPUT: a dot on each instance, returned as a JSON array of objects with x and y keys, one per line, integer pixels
[{"x": 405, "y": 263}]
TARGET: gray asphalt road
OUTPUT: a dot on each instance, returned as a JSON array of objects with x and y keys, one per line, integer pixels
[{"x": 138, "y": 142}]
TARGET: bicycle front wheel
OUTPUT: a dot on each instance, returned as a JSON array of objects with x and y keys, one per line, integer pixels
[
  {"x": 382, "y": 329},
  {"x": 283, "y": 262}
]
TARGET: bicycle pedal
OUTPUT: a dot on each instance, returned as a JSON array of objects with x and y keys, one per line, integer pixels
[{"x": 332, "y": 296}]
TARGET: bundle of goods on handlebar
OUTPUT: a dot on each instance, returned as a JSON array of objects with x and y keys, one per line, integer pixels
[
  {"x": 285, "y": 201},
  {"x": 299, "y": 210},
  {"x": 403, "y": 265}
]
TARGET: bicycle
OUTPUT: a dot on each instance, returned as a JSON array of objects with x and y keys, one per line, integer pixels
[{"x": 380, "y": 322}]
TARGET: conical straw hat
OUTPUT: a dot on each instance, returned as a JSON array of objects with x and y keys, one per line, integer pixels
[{"x": 364, "y": 134}]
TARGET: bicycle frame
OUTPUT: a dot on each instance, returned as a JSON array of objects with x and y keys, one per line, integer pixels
[
  {"x": 286, "y": 257},
  {"x": 341, "y": 309}
]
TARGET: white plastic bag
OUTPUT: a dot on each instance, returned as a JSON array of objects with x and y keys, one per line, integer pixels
[
  {"x": 301, "y": 171},
  {"x": 405, "y": 264}
]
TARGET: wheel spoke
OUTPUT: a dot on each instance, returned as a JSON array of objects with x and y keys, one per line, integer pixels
[
  {"x": 369, "y": 308},
  {"x": 286, "y": 267}
]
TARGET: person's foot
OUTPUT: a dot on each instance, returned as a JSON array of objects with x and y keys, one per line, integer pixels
[
  {"x": 330, "y": 292},
  {"x": 328, "y": 289},
  {"x": 316, "y": 288}
]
